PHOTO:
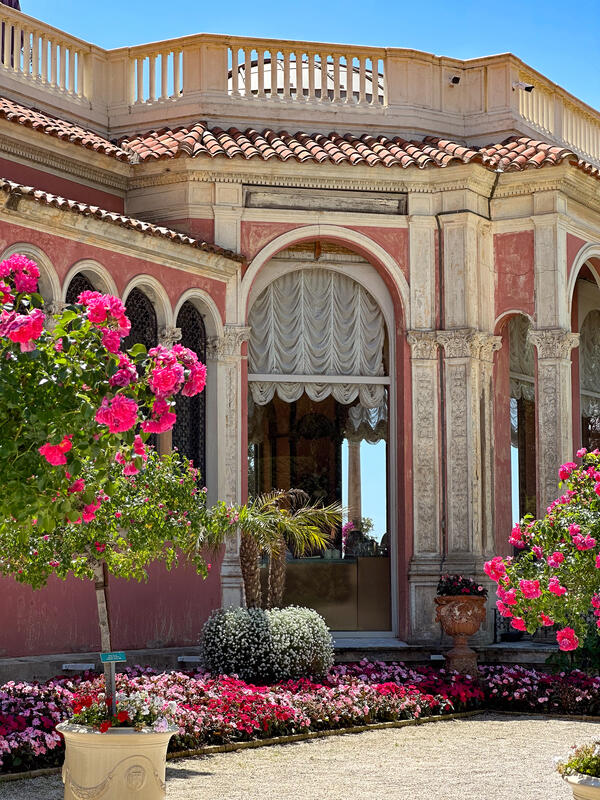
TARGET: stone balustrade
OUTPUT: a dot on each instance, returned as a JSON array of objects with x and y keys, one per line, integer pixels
[{"x": 303, "y": 85}]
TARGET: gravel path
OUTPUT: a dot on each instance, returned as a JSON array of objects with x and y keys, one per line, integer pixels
[{"x": 489, "y": 757}]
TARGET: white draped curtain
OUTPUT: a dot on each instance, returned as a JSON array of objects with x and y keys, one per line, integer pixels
[
  {"x": 311, "y": 323},
  {"x": 589, "y": 360}
]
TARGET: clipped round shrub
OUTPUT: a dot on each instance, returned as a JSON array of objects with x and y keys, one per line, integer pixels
[{"x": 267, "y": 646}]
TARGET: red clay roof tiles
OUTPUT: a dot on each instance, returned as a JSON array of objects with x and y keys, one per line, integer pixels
[
  {"x": 514, "y": 154},
  {"x": 17, "y": 190},
  {"x": 60, "y": 128}
]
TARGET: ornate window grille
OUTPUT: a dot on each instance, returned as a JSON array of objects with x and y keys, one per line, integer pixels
[
  {"x": 189, "y": 433},
  {"x": 144, "y": 326},
  {"x": 79, "y": 283}
]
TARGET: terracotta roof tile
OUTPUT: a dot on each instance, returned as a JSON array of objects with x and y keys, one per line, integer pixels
[
  {"x": 514, "y": 154},
  {"x": 59, "y": 128},
  {"x": 17, "y": 190}
]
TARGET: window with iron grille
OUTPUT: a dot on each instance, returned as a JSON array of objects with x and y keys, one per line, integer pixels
[
  {"x": 189, "y": 433},
  {"x": 79, "y": 283}
]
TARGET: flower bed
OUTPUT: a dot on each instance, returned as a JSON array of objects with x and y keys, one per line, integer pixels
[{"x": 218, "y": 710}]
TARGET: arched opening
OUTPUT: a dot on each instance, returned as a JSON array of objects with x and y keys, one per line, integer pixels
[
  {"x": 319, "y": 384},
  {"x": 144, "y": 323},
  {"x": 589, "y": 373},
  {"x": 189, "y": 433},
  {"x": 79, "y": 283},
  {"x": 522, "y": 419}
]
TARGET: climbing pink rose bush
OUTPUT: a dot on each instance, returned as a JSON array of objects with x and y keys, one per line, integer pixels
[
  {"x": 75, "y": 414},
  {"x": 554, "y": 580}
]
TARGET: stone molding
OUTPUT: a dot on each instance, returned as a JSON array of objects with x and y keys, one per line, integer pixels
[
  {"x": 553, "y": 343},
  {"x": 423, "y": 344},
  {"x": 228, "y": 346}
]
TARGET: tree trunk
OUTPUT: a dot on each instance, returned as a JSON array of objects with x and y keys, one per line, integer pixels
[
  {"x": 277, "y": 567},
  {"x": 250, "y": 570},
  {"x": 101, "y": 586}
]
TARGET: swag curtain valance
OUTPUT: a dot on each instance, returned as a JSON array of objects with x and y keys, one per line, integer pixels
[{"x": 316, "y": 322}]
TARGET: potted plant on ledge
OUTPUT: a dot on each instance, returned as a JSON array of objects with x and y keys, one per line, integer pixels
[{"x": 460, "y": 610}]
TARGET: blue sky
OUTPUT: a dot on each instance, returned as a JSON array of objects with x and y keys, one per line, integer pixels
[{"x": 558, "y": 39}]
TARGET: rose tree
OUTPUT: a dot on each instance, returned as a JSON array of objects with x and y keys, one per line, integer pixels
[
  {"x": 555, "y": 579},
  {"x": 81, "y": 491}
]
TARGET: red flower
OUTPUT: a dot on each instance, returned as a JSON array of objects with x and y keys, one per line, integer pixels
[
  {"x": 104, "y": 726},
  {"x": 122, "y": 716}
]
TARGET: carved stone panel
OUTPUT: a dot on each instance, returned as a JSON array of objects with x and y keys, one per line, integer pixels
[
  {"x": 458, "y": 477},
  {"x": 425, "y": 457}
]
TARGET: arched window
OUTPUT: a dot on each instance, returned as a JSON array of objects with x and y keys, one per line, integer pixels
[
  {"x": 522, "y": 418},
  {"x": 144, "y": 325},
  {"x": 79, "y": 283},
  {"x": 189, "y": 433},
  {"x": 589, "y": 371}
]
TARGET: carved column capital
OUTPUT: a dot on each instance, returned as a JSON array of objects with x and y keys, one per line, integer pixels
[
  {"x": 423, "y": 344},
  {"x": 488, "y": 344},
  {"x": 457, "y": 343},
  {"x": 229, "y": 345},
  {"x": 55, "y": 307},
  {"x": 553, "y": 343},
  {"x": 168, "y": 336}
]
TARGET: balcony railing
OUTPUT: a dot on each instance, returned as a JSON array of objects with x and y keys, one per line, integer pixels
[{"x": 312, "y": 85}]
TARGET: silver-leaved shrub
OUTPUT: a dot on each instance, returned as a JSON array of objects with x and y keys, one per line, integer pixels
[{"x": 267, "y": 645}]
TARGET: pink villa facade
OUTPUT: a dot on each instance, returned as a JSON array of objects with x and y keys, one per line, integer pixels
[{"x": 424, "y": 281}]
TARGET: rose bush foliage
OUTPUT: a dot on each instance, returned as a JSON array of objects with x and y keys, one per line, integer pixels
[
  {"x": 555, "y": 579},
  {"x": 79, "y": 483}
]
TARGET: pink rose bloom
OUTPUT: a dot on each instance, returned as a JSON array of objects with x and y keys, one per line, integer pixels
[
  {"x": 23, "y": 329},
  {"x": 537, "y": 551},
  {"x": 581, "y": 452},
  {"x": 25, "y": 273},
  {"x": 162, "y": 419},
  {"x": 165, "y": 381},
  {"x": 5, "y": 293},
  {"x": 111, "y": 340},
  {"x": 495, "y": 569},
  {"x": 545, "y": 620},
  {"x": 130, "y": 469},
  {"x": 555, "y": 587},
  {"x": 504, "y": 610},
  {"x": 100, "y": 547},
  {"x": 574, "y": 529},
  {"x": 518, "y": 623},
  {"x": 516, "y": 537},
  {"x": 55, "y": 453},
  {"x": 120, "y": 413},
  {"x": 139, "y": 448},
  {"x": 77, "y": 486},
  {"x": 567, "y": 640},
  {"x": 597, "y": 488},
  {"x": 508, "y": 596},
  {"x": 598, "y": 562},
  {"x": 126, "y": 373},
  {"x": 89, "y": 511},
  {"x": 196, "y": 382},
  {"x": 530, "y": 589},
  {"x": 555, "y": 560},
  {"x": 566, "y": 469}
]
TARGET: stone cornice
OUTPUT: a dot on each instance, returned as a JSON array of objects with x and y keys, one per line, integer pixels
[
  {"x": 70, "y": 165},
  {"x": 88, "y": 230}
]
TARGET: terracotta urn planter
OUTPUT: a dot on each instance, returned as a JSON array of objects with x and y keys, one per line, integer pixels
[
  {"x": 460, "y": 617},
  {"x": 121, "y": 764},
  {"x": 584, "y": 787}
]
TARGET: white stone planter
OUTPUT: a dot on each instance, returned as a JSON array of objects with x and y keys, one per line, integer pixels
[
  {"x": 584, "y": 787},
  {"x": 121, "y": 764}
]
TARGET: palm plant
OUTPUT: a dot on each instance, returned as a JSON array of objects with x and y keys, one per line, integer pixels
[{"x": 274, "y": 522}]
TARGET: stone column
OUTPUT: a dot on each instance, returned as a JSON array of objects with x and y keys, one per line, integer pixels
[
  {"x": 553, "y": 408},
  {"x": 468, "y": 363},
  {"x": 427, "y": 554},
  {"x": 225, "y": 351},
  {"x": 468, "y": 419},
  {"x": 354, "y": 482}
]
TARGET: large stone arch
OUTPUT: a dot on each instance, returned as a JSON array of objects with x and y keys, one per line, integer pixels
[
  {"x": 96, "y": 273},
  {"x": 389, "y": 287}
]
